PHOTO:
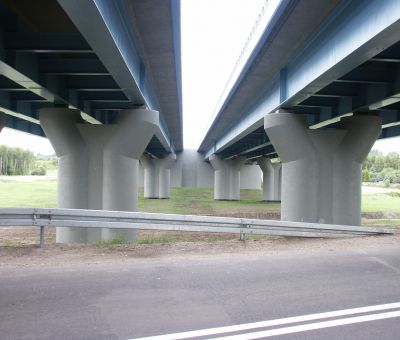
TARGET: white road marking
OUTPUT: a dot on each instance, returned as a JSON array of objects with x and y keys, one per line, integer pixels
[
  {"x": 276, "y": 322},
  {"x": 312, "y": 326},
  {"x": 384, "y": 263}
]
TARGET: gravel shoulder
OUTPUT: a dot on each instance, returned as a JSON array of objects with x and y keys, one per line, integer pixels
[{"x": 64, "y": 255}]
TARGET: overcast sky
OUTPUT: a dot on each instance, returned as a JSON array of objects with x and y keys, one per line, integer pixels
[{"x": 213, "y": 35}]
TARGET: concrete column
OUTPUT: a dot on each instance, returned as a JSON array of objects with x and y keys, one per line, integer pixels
[
  {"x": 271, "y": 179},
  {"x": 157, "y": 176},
  {"x": 108, "y": 162},
  {"x": 149, "y": 177},
  {"x": 227, "y": 177},
  {"x": 321, "y": 172},
  {"x": 164, "y": 172},
  {"x": 59, "y": 125}
]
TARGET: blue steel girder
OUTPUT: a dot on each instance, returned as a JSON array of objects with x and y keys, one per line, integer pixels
[
  {"x": 252, "y": 147},
  {"x": 23, "y": 55},
  {"x": 356, "y": 47},
  {"x": 257, "y": 141},
  {"x": 73, "y": 67},
  {"x": 355, "y": 33},
  {"x": 111, "y": 35},
  {"x": 46, "y": 42}
]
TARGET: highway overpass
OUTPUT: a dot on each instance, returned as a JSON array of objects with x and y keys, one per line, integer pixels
[
  {"x": 102, "y": 80},
  {"x": 321, "y": 85}
]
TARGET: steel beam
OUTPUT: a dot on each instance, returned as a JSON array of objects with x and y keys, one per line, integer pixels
[
  {"x": 356, "y": 32},
  {"x": 68, "y": 66},
  {"x": 111, "y": 37},
  {"x": 46, "y": 42}
]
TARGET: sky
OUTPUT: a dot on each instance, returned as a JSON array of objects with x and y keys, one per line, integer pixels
[{"x": 214, "y": 33}]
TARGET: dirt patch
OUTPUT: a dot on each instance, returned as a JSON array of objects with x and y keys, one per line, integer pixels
[
  {"x": 380, "y": 215},
  {"x": 14, "y": 236},
  {"x": 71, "y": 254},
  {"x": 262, "y": 214}
]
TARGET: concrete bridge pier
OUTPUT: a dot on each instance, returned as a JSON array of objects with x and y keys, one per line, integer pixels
[
  {"x": 271, "y": 179},
  {"x": 59, "y": 125},
  {"x": 227, "y": 177},
  {"x": 98, "y": 165},
  {"x": 321, "y": 172},
  {"x": 157, "y": 176}
]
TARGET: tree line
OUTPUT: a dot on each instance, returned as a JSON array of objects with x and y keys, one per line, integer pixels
[
  {"x": 381, "y": 168},
  {"x": 19, "y": 162},
  {"x": 15, "y": 161}
]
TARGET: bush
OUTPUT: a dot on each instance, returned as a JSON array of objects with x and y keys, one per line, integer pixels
[
  {"x": 366, "y": 176},
  {"x": 39, "y": 172},
  {"x": 380, "y": 168}
]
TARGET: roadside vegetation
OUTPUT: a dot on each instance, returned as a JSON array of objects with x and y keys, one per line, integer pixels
[
  {"x": 380, "y": 207},
  {"x": 19, "y": 162},
  {"x": 380, "y": 202},
  {"x": 378, "y": 168}
]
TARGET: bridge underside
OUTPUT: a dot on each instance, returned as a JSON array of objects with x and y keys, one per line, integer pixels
[
  {"x": 101, "y": 79},
  {"x": 372, "y": 88},
  {"x": 321, "y": 85},
  {"x": 46, "y": 61}
]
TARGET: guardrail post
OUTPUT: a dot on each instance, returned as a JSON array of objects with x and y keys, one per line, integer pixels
[
  {"x": 242, "y": 236},
  {"x": 41, "y": 236}
]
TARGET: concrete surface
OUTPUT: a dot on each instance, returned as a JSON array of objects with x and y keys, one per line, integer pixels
[
  {"x": 227, "y": 177},
  {"x": 155, "y": 296},
  {"x": 321, "y": 169},
  {"x": 190, "y": 170},
  {"x": 98, "y": 165},
  {"x": 157, "y": 176},
  {"x": 272, "y": 179}
]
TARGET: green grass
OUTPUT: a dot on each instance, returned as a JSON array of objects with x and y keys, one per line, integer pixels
[
  {"x": 380, "y": 209},
  {"x": 381, "y": 203},
  {"x": 28, "y": 194},
  {"x": 183, "y": 200},
  {"x": 200, "y": 201},
  {"x": 114, "y": 241},
  {"x": 148, "y": 239},
  {"x": 382, "y": 222}
]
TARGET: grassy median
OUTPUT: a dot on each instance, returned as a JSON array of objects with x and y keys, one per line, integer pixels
[{"x": 380, "y": 207}]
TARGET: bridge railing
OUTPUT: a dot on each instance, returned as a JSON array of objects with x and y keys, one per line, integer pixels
[{"x": 42, "y": 217}]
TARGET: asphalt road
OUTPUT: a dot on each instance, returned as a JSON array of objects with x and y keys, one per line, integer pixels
[{"x": 149, "y": 297}]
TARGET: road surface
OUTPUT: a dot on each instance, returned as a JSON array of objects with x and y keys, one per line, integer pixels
[{"x": 145, "y": 297}]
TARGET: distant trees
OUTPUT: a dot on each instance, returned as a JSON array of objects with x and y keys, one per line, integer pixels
[
  {"x": 44, "y": 163},
  {"x": 15, "y": 161},
  {"x": 380, "y": 168}
]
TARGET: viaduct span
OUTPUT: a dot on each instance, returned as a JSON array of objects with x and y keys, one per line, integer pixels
[
  {"x": 321, "y": 85},
  {"x": 102, "y": 80}
]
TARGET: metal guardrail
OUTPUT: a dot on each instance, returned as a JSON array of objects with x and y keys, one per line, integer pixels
[{"x": 42, "y": 217}]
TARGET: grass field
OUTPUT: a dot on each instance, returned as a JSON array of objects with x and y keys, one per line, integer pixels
[
  {"x": 37, "y": 192},
  {"x": 380, "y": 207},
  {"x": 28, "y": 194}
]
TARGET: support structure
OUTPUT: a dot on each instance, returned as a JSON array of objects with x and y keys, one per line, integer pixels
[
  {"x": 157, "y": 176},
  {"x": 98, "y": 165},
  {"x": 227, "y": 177},
  {"x": 321, "y": 174},
  {"x": 271, "y": 179},
  {"x": 2, "y": 120}
]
